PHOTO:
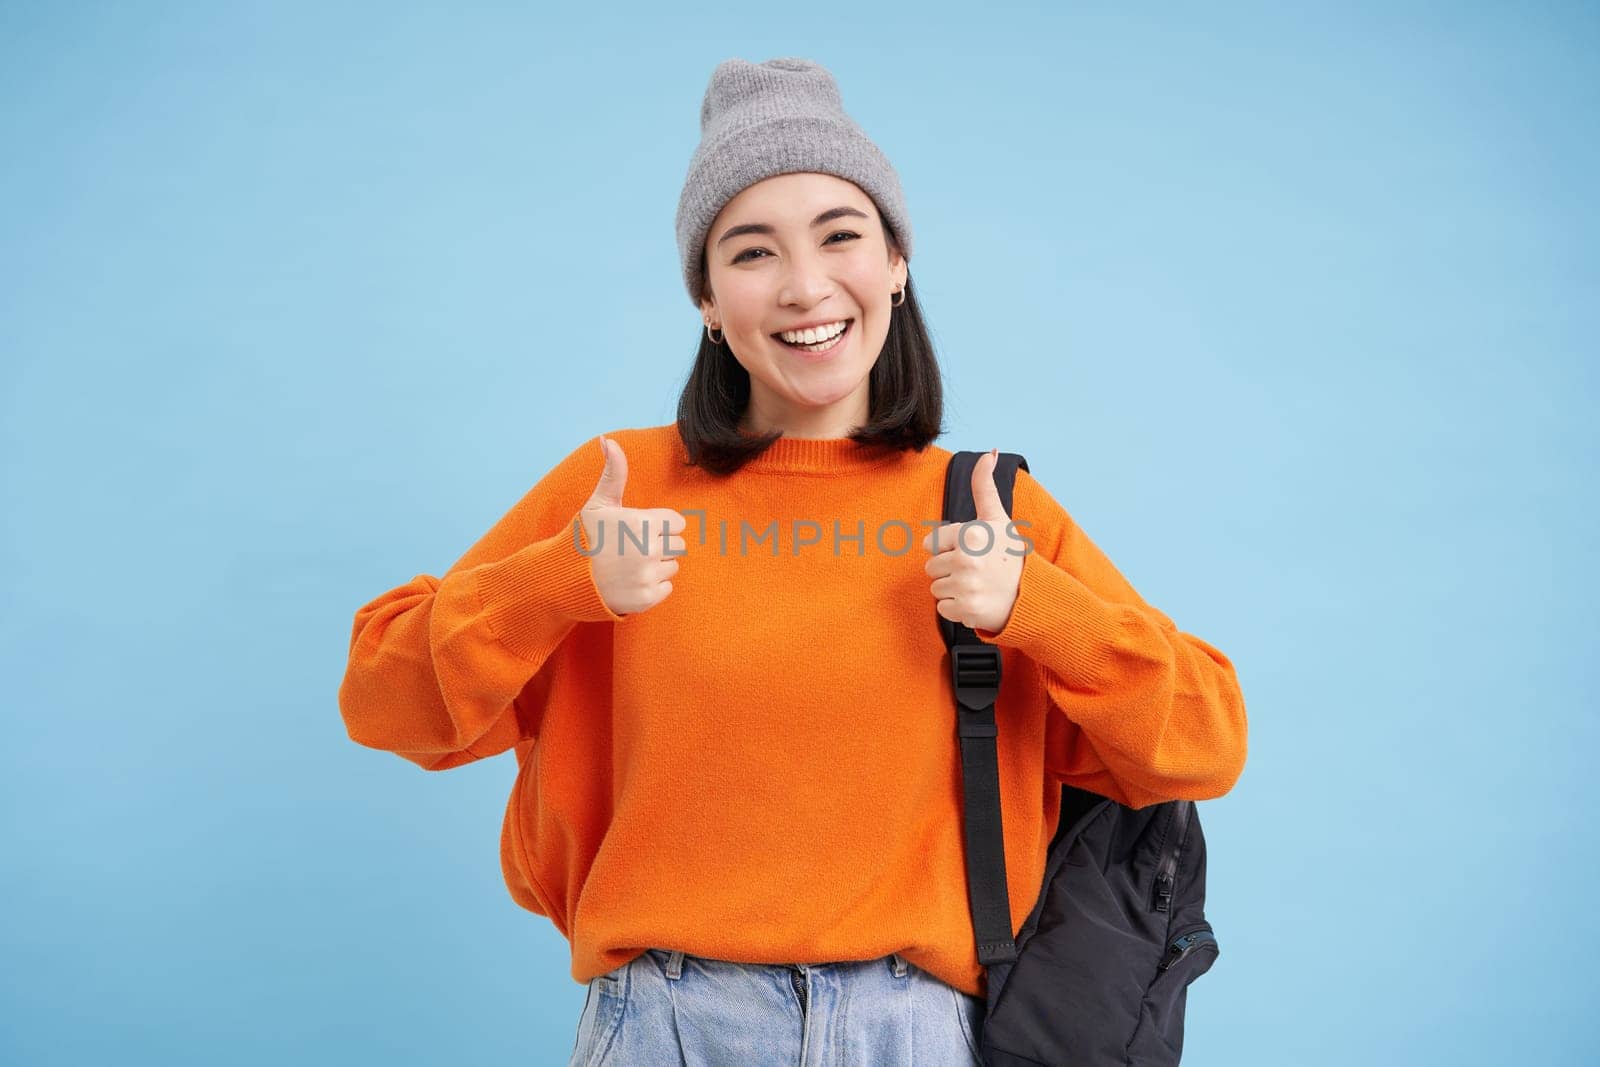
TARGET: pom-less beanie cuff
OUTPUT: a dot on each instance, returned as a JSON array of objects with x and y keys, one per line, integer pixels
[{"x": 783, "y": 116}]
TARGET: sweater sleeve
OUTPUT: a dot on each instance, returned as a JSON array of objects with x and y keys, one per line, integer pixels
[
  {"x": 438, "y": 667},
  {"x": 1155, "y": 714}
]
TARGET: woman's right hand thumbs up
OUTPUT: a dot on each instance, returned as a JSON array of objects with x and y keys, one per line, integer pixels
[{"x": 629, "y": 580}]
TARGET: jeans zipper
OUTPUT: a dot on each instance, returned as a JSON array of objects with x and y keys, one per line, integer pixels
[{"x": 798, "y": 979}]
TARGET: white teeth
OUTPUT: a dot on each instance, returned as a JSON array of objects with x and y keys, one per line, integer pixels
[{"x": 812, "y": 336}]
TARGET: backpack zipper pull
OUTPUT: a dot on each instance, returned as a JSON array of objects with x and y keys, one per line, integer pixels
[
  {"x": 1166, "y": 873},
  {"x": 1185, "y": 945},
  {"x": 1163, "y": 891}
]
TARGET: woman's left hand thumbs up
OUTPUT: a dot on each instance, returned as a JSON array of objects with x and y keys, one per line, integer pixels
[{"x": 976, "y": 574}]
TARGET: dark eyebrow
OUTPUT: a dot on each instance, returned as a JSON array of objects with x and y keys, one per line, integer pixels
[{"x": 761, "y": 227}]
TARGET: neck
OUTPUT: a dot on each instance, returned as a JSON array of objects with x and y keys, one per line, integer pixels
[{"x": 828, "y": 423}]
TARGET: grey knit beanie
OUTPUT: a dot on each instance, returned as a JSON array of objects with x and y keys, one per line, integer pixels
[{"x": 777, "y": 117}]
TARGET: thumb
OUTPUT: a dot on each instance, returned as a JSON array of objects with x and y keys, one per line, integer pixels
[
  {"x": 985, "y": 495},
  {"x": 608, "y": 491}
]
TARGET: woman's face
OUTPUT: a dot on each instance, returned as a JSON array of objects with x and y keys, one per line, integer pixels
[{"x": 821, "y": 256}]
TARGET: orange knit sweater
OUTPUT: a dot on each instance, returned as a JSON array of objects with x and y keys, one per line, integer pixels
[{"x": 764, "y": 767}]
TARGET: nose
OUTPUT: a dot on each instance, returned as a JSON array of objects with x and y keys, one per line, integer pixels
[{"x": 806, "y": 281}]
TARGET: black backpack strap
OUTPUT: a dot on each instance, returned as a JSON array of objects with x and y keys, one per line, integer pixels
[{"x": 975, "y": 670}]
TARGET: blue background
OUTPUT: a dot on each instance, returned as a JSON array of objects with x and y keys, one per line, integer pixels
[{"x": 1293, "y": 308}]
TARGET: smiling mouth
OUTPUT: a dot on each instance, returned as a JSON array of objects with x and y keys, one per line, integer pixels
[{"x": 822, "y": 346}]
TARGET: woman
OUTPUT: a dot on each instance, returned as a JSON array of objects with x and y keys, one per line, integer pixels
[{"x": 739, "y": 793}]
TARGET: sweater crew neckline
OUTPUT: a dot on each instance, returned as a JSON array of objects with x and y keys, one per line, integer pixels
[{"x": 820, "y": 455}]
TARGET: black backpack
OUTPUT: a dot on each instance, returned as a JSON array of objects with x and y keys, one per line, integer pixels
[{"x": 1100, "y": 970}]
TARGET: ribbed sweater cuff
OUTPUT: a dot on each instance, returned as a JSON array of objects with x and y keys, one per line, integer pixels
[
  {"x": 1062, "y": 624},
  {"x": 542, "y": 587}
]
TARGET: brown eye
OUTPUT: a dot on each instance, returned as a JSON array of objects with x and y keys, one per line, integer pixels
[{"x": 750, "y": 252}]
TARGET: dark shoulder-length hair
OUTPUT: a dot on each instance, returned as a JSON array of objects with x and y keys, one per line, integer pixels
[{"x": 906, "y": 409}]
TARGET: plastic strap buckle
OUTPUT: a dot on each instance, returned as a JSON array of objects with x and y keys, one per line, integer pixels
[{"x": 975, "y": 670}]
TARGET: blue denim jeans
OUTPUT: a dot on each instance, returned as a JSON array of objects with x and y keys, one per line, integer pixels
[{"x": 669, "y": 1008}]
